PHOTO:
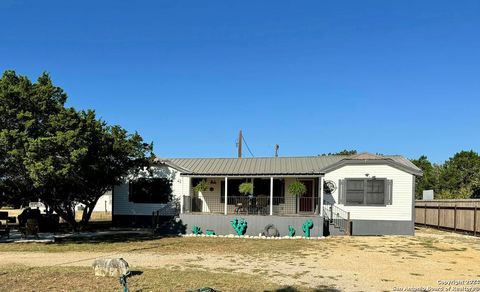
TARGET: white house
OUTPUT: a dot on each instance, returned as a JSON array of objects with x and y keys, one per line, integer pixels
[{"x": 362, "y": 194}]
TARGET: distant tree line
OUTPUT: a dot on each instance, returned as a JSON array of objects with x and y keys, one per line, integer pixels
[
  {"x": 456, "y": 178},
  {"x": 56, "y": 154}
]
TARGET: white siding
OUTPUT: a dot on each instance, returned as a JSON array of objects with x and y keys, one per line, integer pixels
[
  {"x": 402, "y": 196},
  {"x": 122, "y": 206},
  {"x": 104, "y": 203}
]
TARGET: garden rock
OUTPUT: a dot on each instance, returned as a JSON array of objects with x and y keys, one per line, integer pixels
[{"x": 115, "y": 267}]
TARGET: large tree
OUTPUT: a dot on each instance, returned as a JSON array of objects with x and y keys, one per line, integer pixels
[
  {"x": 80, "y": 159},
  {"x": 461, "y": 175},
  {"x": 429, "y": 179},
  {"x": 25, "y": 108},
  {"x": 57, "y": 154}
]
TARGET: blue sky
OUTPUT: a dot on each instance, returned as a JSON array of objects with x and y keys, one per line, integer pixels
[{"x": 390, "y": 77}]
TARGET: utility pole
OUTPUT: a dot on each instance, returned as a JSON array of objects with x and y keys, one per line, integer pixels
[{"x": 239, "y": 145}]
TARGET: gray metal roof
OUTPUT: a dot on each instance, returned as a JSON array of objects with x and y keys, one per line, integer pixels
[{"x": 310, "y": 165}]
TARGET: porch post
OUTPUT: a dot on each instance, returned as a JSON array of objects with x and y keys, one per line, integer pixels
[
  {"x": 271, "y": 196},
  {"x": 226, "y": 192},
  {"x": 321, "y": 195}
]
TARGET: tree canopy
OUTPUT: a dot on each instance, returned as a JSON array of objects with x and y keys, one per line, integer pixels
[
  {"x": 343, "y": 152},
  {"x": 457, "y": 178},
  {"x": 56, "y": 154}
]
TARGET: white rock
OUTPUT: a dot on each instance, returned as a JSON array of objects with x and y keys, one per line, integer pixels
[{"x": 114, "y": 267}]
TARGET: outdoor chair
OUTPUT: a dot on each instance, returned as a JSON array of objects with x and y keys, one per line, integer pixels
[
  {"x": 262, "y": 204},
  {"x": 30, "y": 228},
  {"x": 241, "y": 205},
  {"x": 4, "y": 228}
]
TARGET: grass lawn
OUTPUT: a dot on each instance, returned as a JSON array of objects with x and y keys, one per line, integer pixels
[
  {"x": 231, "y": 264},
  {"x": 21, "y": 278}
]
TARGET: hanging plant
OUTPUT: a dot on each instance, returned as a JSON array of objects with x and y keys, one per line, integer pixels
[
  {"x": 297, "y": 188},
  {"x": 202, "y": 186},
  {"x": 246, "y": 188}
]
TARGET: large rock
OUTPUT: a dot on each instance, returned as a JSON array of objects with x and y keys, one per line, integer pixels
[{"x": 111, "y": 267}]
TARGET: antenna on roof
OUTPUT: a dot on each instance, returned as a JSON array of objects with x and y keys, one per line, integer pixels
[{"x": 276, "y": 150}]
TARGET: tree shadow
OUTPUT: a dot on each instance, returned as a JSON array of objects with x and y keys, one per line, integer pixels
[
  {"x": 170, "y": 227},
  {"x": 135, "y": 273}
]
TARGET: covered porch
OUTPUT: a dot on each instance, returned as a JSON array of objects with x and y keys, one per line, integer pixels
[{"x": 270, "y": 196}]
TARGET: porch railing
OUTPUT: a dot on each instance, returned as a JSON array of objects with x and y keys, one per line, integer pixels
[
  {"x": 250, "y": 205},
  {"x": 338, "y": 217}
]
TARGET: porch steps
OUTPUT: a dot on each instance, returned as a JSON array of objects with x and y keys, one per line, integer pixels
[{"x": 335, "y": 231}]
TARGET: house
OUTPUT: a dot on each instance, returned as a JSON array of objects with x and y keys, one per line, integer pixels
[
  {"x": 362, "y": 194},
  {"x": 104, "y": 204}
]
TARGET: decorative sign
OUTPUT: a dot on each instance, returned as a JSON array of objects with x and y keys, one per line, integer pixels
[{"x": 329, "y": 187}]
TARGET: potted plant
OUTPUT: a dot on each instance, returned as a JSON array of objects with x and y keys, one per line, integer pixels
[
  {"x": 297, "y": 189},
  {"x": 246, "y": 189},
  {"x": 202, "y": 186}
]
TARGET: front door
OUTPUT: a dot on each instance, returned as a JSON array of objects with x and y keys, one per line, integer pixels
[{"x": 306, "y": 200}]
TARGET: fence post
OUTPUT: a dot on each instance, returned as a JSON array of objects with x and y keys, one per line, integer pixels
[
  {"x": 425, "y": 216},
  {"x": 455, "y": 218},
  {"x": 475, "y": 221},
  {"x": 153, "y": 220},
  {"x": 349, "y": 232},
  {"x": 438, "y": 219}
]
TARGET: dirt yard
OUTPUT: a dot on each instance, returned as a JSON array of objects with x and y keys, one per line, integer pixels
[{"x": 332, "y": 264}]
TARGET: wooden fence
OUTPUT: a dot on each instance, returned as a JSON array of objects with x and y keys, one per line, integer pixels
[{"x": 456, "y": 215}]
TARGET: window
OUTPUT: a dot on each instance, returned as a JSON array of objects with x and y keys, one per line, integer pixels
[
  {"x": 355, "y": 191},
  {"x": 375, "y": 194},
  {"x": 150, "y": 190},
  {"x": 365, "y": 192}
]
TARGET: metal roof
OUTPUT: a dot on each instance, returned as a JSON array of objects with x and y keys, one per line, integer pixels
[{"x": 309, "y": 165}]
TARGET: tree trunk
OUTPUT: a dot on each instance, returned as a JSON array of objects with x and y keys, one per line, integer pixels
[
  {"x": 87, "y": 213},
  {"x": 67, "y": 215}
]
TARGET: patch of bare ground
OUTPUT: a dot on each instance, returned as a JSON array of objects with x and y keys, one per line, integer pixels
[{"x": 343, "y": 263}]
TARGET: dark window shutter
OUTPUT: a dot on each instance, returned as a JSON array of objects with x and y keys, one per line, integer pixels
[
  {"x": 388, "y": 191},
  {"x": 342, "y": 190}
]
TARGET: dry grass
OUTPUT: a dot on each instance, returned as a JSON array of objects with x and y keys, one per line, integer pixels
[
  {"x": 348, "y": 263},
  {"x": 20, "y": 278}
]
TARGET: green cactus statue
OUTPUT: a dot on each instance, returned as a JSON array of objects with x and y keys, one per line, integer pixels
[
  {"x": 307, "y": 226},
  {"x": 209, "y": 232},
  {"x": 291, "y": 231},
  {"x": 196, "y": 230},
  {"x": 240, "y": 226}
]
